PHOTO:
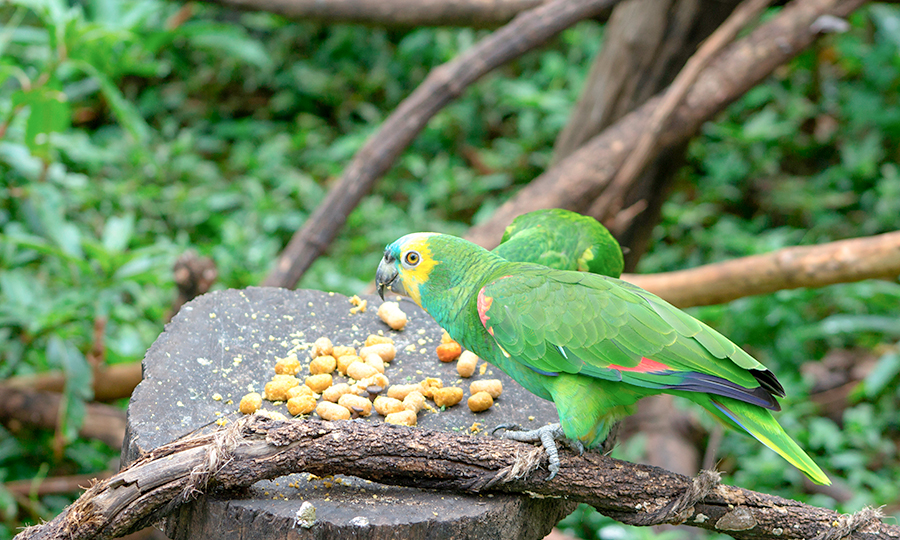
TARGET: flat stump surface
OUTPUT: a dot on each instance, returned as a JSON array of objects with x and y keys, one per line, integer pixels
[{"x": 224, "y": 345}]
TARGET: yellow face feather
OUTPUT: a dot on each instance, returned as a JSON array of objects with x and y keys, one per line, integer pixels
[{"x": 413, "y": 275}]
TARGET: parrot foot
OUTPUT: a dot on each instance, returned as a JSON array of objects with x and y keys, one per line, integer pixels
[{"x": 547, "y": 435}]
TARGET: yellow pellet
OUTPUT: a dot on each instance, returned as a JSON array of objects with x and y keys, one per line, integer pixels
[
  {"x": 332, "y": 411},
  {"x": 378, "y": 379},
  {"x": 386, "y": 405},
  {"x": 465, "y": 366},
  {"x": 322, "y": 364},
  {"x": 299, "y": 390},
  {"x": 375, "y": 339},
  {"x": 360, "y": 370},
  {"x": 301, "y": 405},
  {"x": 414, "y": 401},
  {"x": 318, "y": 383},
  {"x": 250, "y": 403},
  {"x": 322, "y": 347},
  {"x": 340, "y": 350},
  {"x": 289, "y": 365},
  {"x": 400, "y": 391},
  {"x": 392, "y": 315},
  {"x": 429, "y": 385},
  {"x": 343, "y": 362},
  {"x": 375, "y": 361},
  {"x": 448, "y": 397},
  {"x": 386, "y": 351},
  {"x": 276, "y": 389},
  {"x": 403, "y": 418},
  {"x": 350, "y": 401},
  {"x": 334, "y": 393},
  {"x": 480, "y": 401},
  {"x": 494, "y": 387},
  {"x": 445, "y": 337}
]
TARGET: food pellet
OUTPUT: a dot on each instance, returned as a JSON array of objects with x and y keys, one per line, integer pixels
[
  {"x": 360, "y": 370},
  {"x": 429, "y": 385},
  {"x": 299, "y": 390},
  {"x": 289, "y": 365},
  {"x": 350, "y": 401},
  {"x": 465, "y": 366},
  {"x": 343, "y": 362},
  {"x": 322, "y": 347},
  {"x": 414, "y": 401},
  {"x": 334, "y": 393},
  {"x": 375, "y": 380},
  {"x": 445, "y": 337},
  {"x": 386, "y": 351},
  {"x": 332, "y": 411},
  {"x": 322, "y": 364},
  {"x": 276, "y": 389},
  {"x": 448, "y": 352},
  {"x": 392, "y": 315},
  {"x": 376, "y": 362},
  {"x": 386, "y": 405},
  {"x": 403, "y": 418},
  {"x": 341, "y": 350},
  {"x": 375, "y": 339},
  {"x": 318, "y": 383},
  {"x": 250, "y": 403},
  {"x": 494, "y": 387},
  {"x": 301, "y": 405},
  {"x": 400, "y": 391},
  {"x": 480, "y": 401},
  {"x": 447, "y": 397}
]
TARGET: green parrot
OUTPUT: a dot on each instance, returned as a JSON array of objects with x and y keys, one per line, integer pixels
[
  {"x": 563, "y": 240},
  {"x": 592, "y": 344}
]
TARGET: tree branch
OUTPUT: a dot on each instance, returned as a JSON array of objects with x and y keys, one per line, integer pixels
[
  {"x": 394, "y": 13},
  {"x": 442, "y": 85},
  {"x": 578, "y": 179},
  {"x": 856, "y": 259},
  {"x": 255, "y": 448}
]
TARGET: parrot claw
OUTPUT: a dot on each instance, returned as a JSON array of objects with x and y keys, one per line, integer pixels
[{"x": 547, "y": 435}]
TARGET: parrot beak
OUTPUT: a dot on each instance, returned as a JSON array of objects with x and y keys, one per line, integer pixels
[{"x": 386, "y": 277}]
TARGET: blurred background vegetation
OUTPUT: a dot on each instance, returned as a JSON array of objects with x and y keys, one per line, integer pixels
[{"x": 133, "y": 130}]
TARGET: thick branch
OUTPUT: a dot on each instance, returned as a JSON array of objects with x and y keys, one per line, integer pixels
[
  {"x": 578, "y": 179},
  {"x": 856, "y": 259},
  {"x": 255, "y": 448},
  {"x": 394, "y": 13},
  {"x": 41, "y": 409},
  {"x": 110, "y": 382},
  {"x": 442, "y": 85}
]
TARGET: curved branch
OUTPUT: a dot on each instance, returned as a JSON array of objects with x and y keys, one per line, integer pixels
[
  {"x": 394, "y": 13},
  {"x": 856, "y": 259},
  {"x": 579, "y": 178},
  {"x": 442, "y": 85},
  {"x": 255, "y": 448}
]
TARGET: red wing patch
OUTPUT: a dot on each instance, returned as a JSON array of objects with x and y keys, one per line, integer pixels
[
  {"x": 644, "y": 366},
  {"x": 484, "y": 304}
]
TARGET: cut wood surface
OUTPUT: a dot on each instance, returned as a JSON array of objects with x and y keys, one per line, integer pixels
[
  {"x": 256, "y": 447},
  {"x": 856, "y": 259},
  {"x": 577, "y": 180}
]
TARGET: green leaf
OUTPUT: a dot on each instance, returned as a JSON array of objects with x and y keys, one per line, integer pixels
[
  {"x": 78, "y": 388},
  {"x": 125, "y": 111},
  {"x": 885, "y": 371},
  {"x": 48, "y": 112},
  {"x": 117, "y": 232}
]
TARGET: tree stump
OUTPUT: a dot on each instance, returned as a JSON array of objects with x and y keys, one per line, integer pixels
[{"x": 225, "y": 344}]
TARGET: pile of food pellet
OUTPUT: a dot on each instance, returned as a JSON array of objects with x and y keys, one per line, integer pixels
[{"x": 368, "y": 386}]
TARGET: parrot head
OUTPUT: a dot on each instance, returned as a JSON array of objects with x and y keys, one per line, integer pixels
[{"x": 406, "y": 265}]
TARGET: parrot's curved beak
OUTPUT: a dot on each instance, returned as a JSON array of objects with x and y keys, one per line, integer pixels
[{"x": 386, "y": 277}]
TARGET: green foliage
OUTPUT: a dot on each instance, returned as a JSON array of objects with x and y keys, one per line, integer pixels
[{"x": 132, "y": 130}]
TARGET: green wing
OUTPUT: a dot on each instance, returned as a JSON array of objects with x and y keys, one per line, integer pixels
[
  {"x": 563, "y": 240},
  {"x": 568, "y": 322}
]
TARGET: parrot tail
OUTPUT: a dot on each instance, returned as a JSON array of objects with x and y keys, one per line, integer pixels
[{"x": 760, "y": 423}]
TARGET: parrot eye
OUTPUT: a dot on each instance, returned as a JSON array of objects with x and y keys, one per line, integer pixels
[{"x": 411, "y": 258}]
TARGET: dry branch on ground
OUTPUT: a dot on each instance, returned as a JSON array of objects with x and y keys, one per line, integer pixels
[{"x": 255, "y": 448}]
